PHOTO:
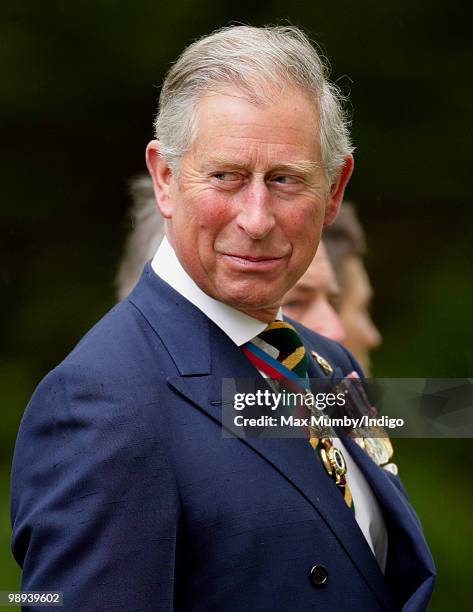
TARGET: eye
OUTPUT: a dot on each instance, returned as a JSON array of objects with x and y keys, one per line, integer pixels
[
  {"x": 284, "y": 180},
  {"x": 227, "y": 177},
  {"x": 227, "y": 180}
]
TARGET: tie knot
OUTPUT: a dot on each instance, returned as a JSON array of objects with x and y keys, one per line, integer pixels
[{"x": 287, "y": 346}]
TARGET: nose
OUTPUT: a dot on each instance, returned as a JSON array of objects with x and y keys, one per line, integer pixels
[
  {"x": 373, "y": 337},
  {"x": 256, "y": 216}
]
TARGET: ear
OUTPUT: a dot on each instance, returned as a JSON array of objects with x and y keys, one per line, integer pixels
[
  {"x": 161, "y": 176},
  {"x": 338, "y": 189}
]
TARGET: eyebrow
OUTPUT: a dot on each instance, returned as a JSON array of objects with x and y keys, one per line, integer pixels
[{"x": 299, "y": 167}]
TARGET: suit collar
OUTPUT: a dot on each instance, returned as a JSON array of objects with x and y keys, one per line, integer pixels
[{"x": 182, "y": 328}]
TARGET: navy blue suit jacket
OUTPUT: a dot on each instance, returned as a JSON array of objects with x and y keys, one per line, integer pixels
[{"x": 126, "y": 496}]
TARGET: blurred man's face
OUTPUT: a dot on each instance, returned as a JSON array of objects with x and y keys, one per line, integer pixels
[
  {"x": 311, "y": 301},
  {"x": 246, "y": 210},
  {"x": 361, "y": 333}
]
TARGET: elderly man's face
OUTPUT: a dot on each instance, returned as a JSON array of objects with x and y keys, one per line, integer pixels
[{"x": 246, "y": 210}]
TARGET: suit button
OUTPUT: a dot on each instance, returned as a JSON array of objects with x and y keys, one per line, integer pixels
[{"x": 319, "y": 575}]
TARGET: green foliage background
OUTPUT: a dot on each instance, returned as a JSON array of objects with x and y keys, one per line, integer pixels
[{"x": 77, "y": 97}]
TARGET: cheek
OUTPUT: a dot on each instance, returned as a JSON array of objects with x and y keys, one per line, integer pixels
[
  {"x": 205, "y": 222},
  {"x": 306, "y": 215},
  {"x": 200, "y": 216},
  {"x": 304, "y": 223},
  {"x": 209, "y": 211}
]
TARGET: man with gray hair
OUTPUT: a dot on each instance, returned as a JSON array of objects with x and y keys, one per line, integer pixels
[{"x": 125, "y": 493}]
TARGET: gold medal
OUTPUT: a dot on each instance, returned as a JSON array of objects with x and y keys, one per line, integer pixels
[
  {"x": 333, "y": 461},
  {"x": 323, "y": 363}
]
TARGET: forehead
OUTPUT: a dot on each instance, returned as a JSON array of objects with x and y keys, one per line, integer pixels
[{"x": 228, "y": 123}]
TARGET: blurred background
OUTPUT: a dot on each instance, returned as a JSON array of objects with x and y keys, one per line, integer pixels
[{"x": 77, "y": 99}]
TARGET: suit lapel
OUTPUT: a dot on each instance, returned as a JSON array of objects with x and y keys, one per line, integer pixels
[
  {"x": 204, "y": 356},
  {"x": 409, "y": 565}
]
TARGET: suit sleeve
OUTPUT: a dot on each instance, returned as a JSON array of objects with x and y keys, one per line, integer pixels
[{"x": 95, "y": 507}]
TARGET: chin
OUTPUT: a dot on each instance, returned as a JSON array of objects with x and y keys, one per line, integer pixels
[
  {"x": 247, "y": 293},
  {"x": 249, "y": 301}
]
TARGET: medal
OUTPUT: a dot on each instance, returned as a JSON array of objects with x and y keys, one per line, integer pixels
[
  {"x": 323, "y": 363},
  {"x": 373, "y": 440},
  {"x": 333, "y": 461}
]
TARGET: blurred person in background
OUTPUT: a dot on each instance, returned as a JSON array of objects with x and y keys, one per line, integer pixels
[
  {"x": 346, "y": 245},
  {"x": 145, "y": 236}
]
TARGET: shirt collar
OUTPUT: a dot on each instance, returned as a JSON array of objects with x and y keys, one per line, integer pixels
[{"x": 238, "y": 326}]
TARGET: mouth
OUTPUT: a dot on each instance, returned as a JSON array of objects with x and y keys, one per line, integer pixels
[{"x": 250, "y": 262}]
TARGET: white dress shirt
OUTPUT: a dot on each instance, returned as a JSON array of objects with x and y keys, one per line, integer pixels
[{"x": 241, "y": 328}]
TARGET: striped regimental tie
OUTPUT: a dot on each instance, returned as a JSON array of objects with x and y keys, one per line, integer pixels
[{"x": 279, "y": 353}]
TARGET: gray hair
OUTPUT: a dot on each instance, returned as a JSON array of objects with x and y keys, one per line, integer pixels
[
  {"x": 256, "y": 61},
  {"x": 145, "y": 236}
]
